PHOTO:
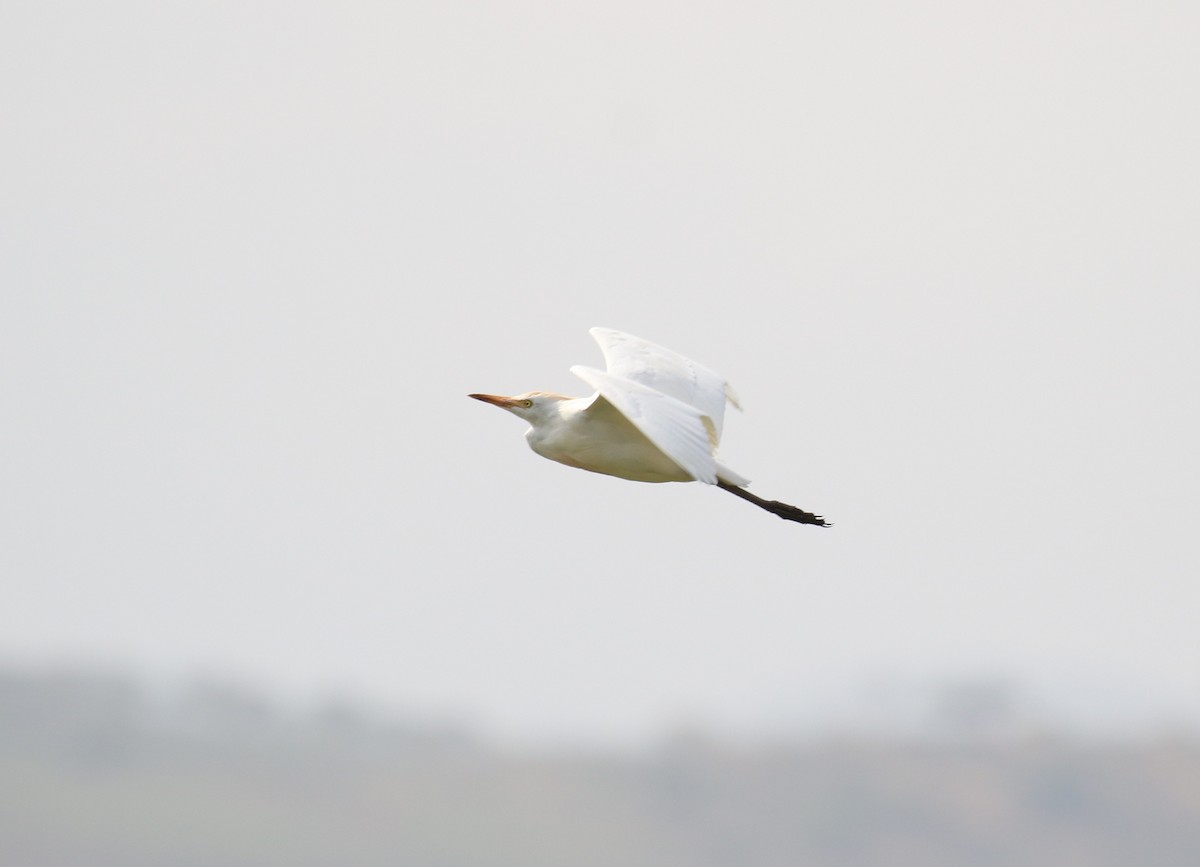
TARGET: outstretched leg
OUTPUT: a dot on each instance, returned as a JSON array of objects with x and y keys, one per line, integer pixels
[{"x": 783, "y": 510}]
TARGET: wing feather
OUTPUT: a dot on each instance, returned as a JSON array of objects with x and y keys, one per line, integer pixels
[
  {"x": 668, "y": 372},
  {"x": 680, "y": 431}
]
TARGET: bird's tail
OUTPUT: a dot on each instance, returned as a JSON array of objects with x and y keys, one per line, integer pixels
[{"x": 729, "y": 477}]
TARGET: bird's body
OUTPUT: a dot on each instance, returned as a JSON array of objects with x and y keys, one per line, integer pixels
[
  {"x": 656, "y": 416},
  {"x": 591, "y": 435}
]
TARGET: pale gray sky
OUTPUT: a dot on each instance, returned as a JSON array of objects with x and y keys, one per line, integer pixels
[{"x": 253, "y": 256}]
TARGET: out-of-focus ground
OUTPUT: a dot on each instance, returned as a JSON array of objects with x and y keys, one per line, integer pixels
[{"x": 101, "y": 770}]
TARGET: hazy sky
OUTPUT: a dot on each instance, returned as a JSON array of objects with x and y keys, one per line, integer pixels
[{"x": 253, "y": 256}]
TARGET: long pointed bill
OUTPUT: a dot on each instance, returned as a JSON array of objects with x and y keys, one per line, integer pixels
[{"x": 496, "y": 400}]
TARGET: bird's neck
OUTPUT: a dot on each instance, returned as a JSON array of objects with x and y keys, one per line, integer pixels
[{"x": 556, "y": 418}]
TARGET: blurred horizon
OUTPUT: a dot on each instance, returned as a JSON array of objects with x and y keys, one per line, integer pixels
[
  {"x": 95, "y": 771},
  {"x": 982, "y": 705}
]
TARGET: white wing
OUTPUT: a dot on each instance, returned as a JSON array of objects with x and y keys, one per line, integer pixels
[
  {"x": 668, "y": 372},
  {"x": 678, "y": 404},
  {"x": 681, "y": 432}
]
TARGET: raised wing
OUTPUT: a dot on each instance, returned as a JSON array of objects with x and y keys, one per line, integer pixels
[
  {"x": 667, "y": 372},
  {"x": 682, "y": 432}
]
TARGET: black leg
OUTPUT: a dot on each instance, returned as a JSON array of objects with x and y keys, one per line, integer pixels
[{"x": 783, "y": 510}]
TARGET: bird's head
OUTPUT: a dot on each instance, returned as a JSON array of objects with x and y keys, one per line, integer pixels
[{"x": 533, "y": 406}]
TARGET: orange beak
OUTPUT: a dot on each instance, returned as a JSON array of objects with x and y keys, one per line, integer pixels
[{"x": 495, "y": 400}]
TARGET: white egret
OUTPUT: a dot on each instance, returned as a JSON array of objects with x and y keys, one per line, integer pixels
[{"x": 656, "y": 416}]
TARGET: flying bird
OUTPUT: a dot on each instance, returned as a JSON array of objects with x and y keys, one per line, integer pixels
[{"x": 656, "y": 416}]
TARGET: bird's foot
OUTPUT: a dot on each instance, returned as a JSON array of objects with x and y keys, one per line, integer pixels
[{"x": 795, "y": 513}]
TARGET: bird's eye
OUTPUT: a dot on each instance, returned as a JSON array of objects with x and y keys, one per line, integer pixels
[{"x": 527, "y": 403}]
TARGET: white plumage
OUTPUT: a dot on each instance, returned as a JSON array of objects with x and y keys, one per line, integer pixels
[{"x": 656, "y": 416}]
